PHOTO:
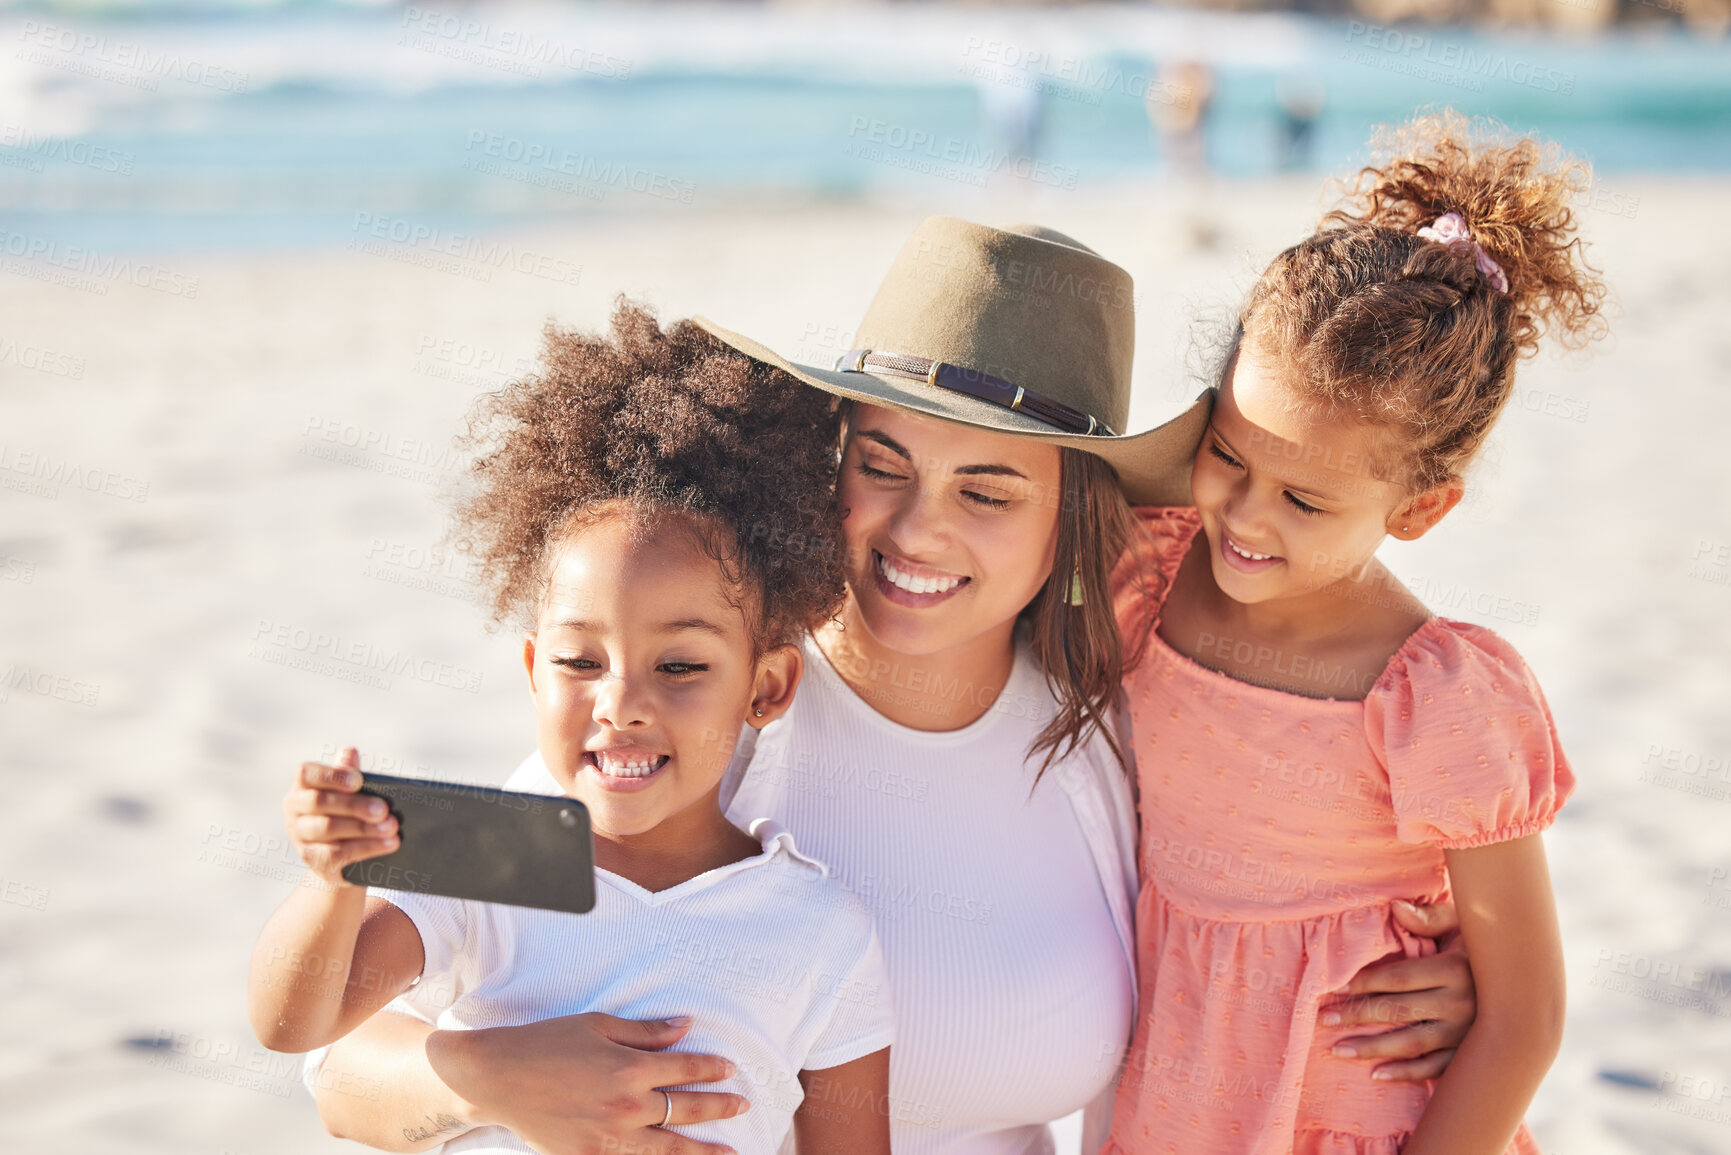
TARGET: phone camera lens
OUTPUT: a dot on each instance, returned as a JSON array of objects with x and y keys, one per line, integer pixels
[{"x": 566, "y": 818}]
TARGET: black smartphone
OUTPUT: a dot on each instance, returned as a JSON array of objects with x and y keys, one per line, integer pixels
[{"x": 483, "y": 843}]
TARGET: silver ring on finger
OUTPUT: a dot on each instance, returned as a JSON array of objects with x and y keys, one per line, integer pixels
[{"x": 667, "y": 1118}]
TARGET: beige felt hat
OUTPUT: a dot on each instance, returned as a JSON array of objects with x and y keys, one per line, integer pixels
[{"x": 1020, "y": 330}]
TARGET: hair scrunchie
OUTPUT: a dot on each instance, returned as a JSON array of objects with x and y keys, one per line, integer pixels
[{"x": 1451, "y": 229}]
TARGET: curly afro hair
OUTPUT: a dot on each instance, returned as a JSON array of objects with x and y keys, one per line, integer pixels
[{"x": 655, "y": 423}]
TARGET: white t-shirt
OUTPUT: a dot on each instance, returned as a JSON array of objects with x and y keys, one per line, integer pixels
[
  {"x": 777, "y": 965},
  {"x": 1004, "y": 907}
]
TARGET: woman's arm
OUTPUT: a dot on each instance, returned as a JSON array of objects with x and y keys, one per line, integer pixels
[
  {"x": 575, "y": 1085},
  {"x": 846, "y": 1109},
  {"x": 376, "y": 1087},
  {"x": 1428, "y": 1002},
  {"x": 1509, "y": 920}
]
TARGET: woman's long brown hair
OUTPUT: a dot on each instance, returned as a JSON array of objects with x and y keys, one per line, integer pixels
[{"x": 1078, "y": 646}]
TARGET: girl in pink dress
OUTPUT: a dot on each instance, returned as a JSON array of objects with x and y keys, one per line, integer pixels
[{"x": 1312, "y": 744}]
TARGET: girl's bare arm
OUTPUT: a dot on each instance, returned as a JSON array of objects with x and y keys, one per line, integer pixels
[
  {"x": 329, "y": 957},
  {"x": 846, "y": 1110},
  {"x": 1509, "y": 921},
  {"x": 327, "y": 960}
]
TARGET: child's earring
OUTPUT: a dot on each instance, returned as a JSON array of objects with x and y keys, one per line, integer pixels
[
  {"x": 1074, "y": 597},
  {"x": 757, "y": 713}
]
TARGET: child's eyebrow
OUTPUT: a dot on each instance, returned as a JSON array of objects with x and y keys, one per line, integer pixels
[
  {"x": 1221, "y": 437},
  {"x": 1320, "y": 494},
  {"x": 573, "y": 624},
  {"x": 682, "y": 624},
  {"x": 677, "y": 625}
]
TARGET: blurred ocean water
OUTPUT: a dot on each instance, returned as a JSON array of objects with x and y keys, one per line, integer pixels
[{"x": 152, "y": 126}]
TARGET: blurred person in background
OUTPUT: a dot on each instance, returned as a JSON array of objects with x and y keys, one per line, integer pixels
[{"x": 1177, "y": 104}]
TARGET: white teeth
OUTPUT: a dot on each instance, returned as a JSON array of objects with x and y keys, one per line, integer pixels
[
  {"x": 625, "y": 767},
  {"x": 915, "y": 585},
  {"x": 1248, "y": 554}
]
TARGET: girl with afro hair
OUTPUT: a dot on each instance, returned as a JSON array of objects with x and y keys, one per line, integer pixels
[{"x": 656, "y": 510}]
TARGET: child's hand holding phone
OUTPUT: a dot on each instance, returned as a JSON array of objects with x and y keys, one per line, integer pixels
[
  {"x": 330, "y": 956},
  {"x": 330, "y": 823}
]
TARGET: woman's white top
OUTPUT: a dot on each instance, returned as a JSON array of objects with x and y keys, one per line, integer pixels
[
  {"x": 1004, "y": 907},
  {"x": 779, "y": 969}
]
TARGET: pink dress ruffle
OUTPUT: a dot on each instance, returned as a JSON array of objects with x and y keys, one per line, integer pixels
[
  {"x": 1335, "y": 1143},
  {"x": 1276, "y": 830}
]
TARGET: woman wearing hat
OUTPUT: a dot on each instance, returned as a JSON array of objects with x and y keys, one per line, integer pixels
[{"x": 953, "y": 754}]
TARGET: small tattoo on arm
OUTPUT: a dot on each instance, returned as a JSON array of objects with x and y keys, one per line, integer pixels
[{"x": 436, "y": 1125}]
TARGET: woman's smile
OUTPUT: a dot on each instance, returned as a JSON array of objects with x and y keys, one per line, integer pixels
[{"x": 908, "y": 583}]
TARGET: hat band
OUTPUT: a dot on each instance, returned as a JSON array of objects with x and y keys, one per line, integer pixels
[{"x": 983, "y": 386}]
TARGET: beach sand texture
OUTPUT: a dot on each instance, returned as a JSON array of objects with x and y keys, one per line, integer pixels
[{"x": 218, "y": 515}]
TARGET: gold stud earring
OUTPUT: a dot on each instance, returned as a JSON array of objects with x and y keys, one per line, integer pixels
[{"x": 759, "y": 713}]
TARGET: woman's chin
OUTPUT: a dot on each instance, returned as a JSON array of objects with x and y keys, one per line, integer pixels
[{"x": 904, "y": 630}]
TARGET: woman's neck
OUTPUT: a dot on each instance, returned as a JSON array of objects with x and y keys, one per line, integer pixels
[{"x": 943, "y": 690}]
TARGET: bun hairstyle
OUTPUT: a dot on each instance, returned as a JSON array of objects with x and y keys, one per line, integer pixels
[
  {"x": 1373, "y": 320},
  {"x": 651, "y": 424}
]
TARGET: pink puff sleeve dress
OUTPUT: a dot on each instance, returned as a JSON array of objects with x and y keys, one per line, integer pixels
[{"x": 1275, "y": 831}]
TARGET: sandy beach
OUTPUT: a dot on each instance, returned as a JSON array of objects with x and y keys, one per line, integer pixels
[{"x": 219, "y": 513}]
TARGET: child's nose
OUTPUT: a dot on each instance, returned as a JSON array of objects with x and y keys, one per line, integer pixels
[
  {"x": 1236, "y": 509},
  {"x": 620, "y": 703},
  {"x": 1245, "y": 506}
]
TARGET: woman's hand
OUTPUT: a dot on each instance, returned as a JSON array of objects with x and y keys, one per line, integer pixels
[
  {"x": 1429, "y": 1002},
  {"x": 576, "y": 1085},
  {"x": 585, "y": 1083}
]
